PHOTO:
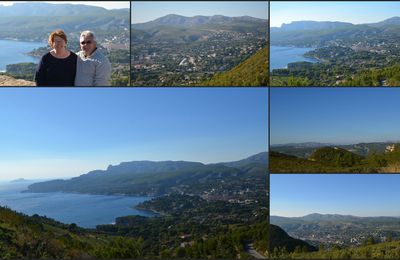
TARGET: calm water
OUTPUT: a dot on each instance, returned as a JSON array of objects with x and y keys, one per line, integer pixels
[
  {"x": 13, "y": 52},
  {"x": 281, "y": 56},
  {"x": 84, "y": 210}
]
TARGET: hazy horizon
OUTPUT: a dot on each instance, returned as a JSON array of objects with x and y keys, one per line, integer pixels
[
  {"x": 343, "y": 11},
  {"x": 143, "y": 11},
  {"x": 334, "y": 115},
  {"x": 109, "y": 5},
  {"x": 294, "y": 195}
]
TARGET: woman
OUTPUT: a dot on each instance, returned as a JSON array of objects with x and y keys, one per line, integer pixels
[{"x": 57, "y": 67}]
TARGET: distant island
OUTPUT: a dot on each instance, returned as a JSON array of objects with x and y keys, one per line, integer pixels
[
  {"x": 377, "y": 157},
  {"x": 348, "y": 54}
]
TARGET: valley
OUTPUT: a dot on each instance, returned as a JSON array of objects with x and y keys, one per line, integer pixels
[{"x": 181, "y": 51}]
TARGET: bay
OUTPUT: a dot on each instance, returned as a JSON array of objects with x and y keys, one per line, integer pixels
[
  {"x": 83, "y": 209},
  {"x": 281, "y": 56},
  {"x": 12, "y": 52}
]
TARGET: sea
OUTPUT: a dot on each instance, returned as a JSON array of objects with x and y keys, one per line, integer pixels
[
  {"x": 12, "y": 52},
  {"x": 82, "y": 209},
  {"x": 281, "y": 56}
]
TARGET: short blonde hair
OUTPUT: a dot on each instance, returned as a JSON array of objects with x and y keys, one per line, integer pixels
[{"x": 59, "y": 33}]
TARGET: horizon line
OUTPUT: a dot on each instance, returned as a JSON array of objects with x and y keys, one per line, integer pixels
[
  {"x": 365, "y": 23},
  {"x": 337, "y": 214},
  {"x": 200, "y": 15}
]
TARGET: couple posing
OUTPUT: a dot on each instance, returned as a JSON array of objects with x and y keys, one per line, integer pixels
[{"x": 61, "y": 67}]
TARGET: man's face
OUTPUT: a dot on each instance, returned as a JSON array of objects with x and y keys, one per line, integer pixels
[{"x": 87, "y": 44}]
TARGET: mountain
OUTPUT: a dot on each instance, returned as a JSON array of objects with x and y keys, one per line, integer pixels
[
  {"x": 304, "y": 150},
  {"x": 343, "y": 230},
  {"x": 313, "y": 25},
  {"x": 322, "y": 34},
  {"x": 47, "y": 9},
  {"x": 253, "y": 71},
  {"x": 279, "y": 239},
  {"x": 391, "y": 21},
  {"x": 158, "y": 178},
  {"x": 302, "y": 145},
  {"x": 261, "y": 158},
  {"x": 35, "y": 21},
  {"x": 183, "y": 21}
]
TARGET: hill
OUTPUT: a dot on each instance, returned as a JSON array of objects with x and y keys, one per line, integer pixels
[
  {"x": 195, "y": 21},
  {"x": 175, "y": 50},
  {"x": 362, "y": 157},
  {"x": 158, "y": 178},
  {"x": 254, "y": 71},
  {"x": 335, "y": 156},
  {"x": 343, "y": 230},
  {"x": 280, "y": 242},
  {"x": 34, "y": 237},
  {"x": 35, "y": 21},
  {"x": 347, "y": 54}
]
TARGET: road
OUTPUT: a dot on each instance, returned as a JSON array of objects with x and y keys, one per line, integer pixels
[{"x": 250, "y": 250}]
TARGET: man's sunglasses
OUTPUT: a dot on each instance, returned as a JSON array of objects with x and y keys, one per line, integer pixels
[{"x": 87, "y": 42}]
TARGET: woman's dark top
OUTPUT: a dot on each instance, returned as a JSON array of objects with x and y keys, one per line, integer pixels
[{"x": 56, "y": 72}]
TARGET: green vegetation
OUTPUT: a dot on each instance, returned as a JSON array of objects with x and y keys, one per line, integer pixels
[
  {"x": 281, "y": 244},
  {"x": 24, "y": 70},
  {"x": 196, "y": 228},
  {"x": 37, "y": 237},
  {"x": 251, "y": 72},
  {"x": 347, "y": 54},
  {"x": 336, "y": 160},
  {"x": 186, "y": 51},
  {"x": 386, "y": 250},
  {"x": 202, "y": 211}
]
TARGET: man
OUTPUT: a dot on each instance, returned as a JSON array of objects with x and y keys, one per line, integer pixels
[{"x": 93, "y": 68}]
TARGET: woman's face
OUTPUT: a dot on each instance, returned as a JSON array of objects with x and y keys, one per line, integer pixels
[{"x": 59, "y": 43}]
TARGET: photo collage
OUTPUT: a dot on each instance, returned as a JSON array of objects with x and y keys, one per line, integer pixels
[{"x": 199, "y": 129}]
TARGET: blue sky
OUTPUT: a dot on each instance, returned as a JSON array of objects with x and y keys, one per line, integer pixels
[
  {"x": 147, "y": 11},
  {"x": 344, "y": 11},
  {"x": 334, "y": 115},
  {"x": 104, "y": 4},
  {"x": 66, "y": 132},
  {"x": 295, "y": 195}
]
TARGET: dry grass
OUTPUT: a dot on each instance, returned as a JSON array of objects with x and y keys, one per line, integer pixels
[
  {"x": 9, "y": 81},
  {"x": 393, "y": 168}
]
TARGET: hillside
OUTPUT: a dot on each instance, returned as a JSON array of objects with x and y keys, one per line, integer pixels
[
  {"x": 158, "y": 178},
  {"x": 175, "y": 50},
  {"x": 347, "y": 54},
  {"x": 36, "y": 237},
  {"x": 386, "y": 250},
  {"x": 196, "y": 21},
  {"x": 254, "y": 71},
  {"x": 35, "y": 21},
  {"x": 280, "y": 242},
  {"x": 357, "y": 158},
  {"x": 9, "y": 81},
  {"x": 335, "y": 156},
  {"x": 343, "y": 230}
]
